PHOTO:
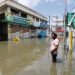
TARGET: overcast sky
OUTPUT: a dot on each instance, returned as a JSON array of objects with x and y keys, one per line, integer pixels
[{"x": 49, "y": 7}]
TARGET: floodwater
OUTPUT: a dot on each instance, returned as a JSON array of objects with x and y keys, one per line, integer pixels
[{"x": 31, "y": 57}]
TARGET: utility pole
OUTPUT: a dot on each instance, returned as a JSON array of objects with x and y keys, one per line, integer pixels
[
  {"x": 71, "y": 34},
  {"x": 56, "y": 22},
  {"x": 49, "y": 26},
  {"x": 64, "y": 18}
]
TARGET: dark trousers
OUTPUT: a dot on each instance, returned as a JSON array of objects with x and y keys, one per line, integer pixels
[{"x": 54, "y": 57}]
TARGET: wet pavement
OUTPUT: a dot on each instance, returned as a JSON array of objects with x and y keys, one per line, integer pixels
[{"x": 31, "y": 57}]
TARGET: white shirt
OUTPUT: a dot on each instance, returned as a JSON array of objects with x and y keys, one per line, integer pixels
[{"x": 53, "y": 44}]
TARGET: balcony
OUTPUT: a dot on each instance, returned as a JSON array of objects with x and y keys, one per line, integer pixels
[{"x": 13, "y": 19}]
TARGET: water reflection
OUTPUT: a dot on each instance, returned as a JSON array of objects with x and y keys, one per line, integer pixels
[
  {"x": 53, "y": 69},
  {"x": 69, "y": 68},
  {"x": 67, "y": 65}
]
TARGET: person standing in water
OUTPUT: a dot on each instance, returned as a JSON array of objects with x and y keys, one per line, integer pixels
[{"x": 54, "y": 47}]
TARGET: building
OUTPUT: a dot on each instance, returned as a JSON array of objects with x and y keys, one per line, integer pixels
[
  {"x": 18, "y": 20},
  {"x": 58, "y": 27}
]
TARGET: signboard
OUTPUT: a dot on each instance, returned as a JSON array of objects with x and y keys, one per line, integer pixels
[
  {"x": 70, "y": 15},
  {"x": 68, "y": 19}
]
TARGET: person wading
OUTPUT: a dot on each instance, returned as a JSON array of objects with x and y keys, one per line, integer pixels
[{"x": 54, "y": 46}]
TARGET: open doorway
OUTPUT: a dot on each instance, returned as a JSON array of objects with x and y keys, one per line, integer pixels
[
  {"x": 3, "y": 28},
  {"x": 3, "y": 31}
]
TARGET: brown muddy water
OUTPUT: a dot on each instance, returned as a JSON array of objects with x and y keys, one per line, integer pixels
[{"x": 32, "y": 57}]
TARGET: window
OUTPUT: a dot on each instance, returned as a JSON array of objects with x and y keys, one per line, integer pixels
[
  {"x": 14, "y": 12},
  {"x": 34, "y": 17},
  {"x": 24, "y": 15},
  {"x": 37, "y": 19}
]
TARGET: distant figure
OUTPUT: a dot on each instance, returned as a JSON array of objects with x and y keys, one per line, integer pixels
[{"x": 54, "y": 46}]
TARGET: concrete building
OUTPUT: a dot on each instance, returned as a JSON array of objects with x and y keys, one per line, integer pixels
[
  {"x": 58, "y": 27},
  {"x": 18, "y": 20}
]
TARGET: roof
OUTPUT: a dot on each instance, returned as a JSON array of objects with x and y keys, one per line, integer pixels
[{"x": 23, "y": 8}]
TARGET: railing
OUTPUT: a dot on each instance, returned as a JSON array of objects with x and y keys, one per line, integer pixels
[
  {"x": 17, "y": 20},
  {"x": 14, "y": 19}
]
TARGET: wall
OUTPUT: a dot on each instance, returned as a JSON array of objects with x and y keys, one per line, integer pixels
[
  {"x": 21, "y": 32},
  {"x": 25, "y": 32}
]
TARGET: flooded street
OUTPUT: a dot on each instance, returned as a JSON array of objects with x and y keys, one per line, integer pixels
[
  {"x": 31, "y": 57},
  {"x": 27, "y": 28}
]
